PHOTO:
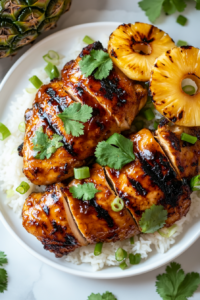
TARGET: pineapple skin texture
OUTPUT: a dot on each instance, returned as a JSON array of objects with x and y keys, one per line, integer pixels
[
  {"x": 22, "y": 21},
  {"x": 137, "y": 65},
  {"x": 166, "y": 89}
]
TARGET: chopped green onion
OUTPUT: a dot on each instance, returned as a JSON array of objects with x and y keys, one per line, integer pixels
[
  {"x": 82, "y": 173},
  {"x": 168, "y": 232},
  {"x": 31, "y": 90},
  {"x": 188, "y": 138},
  {"x": 189, "y": 89},
  {"x": 4, "y": 132},
  {"x": 120, "y": 254},
  {"x": 155, "y": 125},
  {"x": 36, "y": 82},
  {"x": 22, "y": 127},
  {"x": 146, "y": 85},
  {"x": 10, "y": 193},
  {"x": 132, "y": 240},
  {"x": 123, "y": 265},
  {"x": 181, "y": 20},
  {"x": 98, "y": 249},
  {"x": 117, "y": 204},
  {"x": 195, "y": 183},
  {"x": 88, "y": 40},
  {"x": 51, "y": 71},
  {"x": 134, "y": 259},
  {"x": 181, "y": 43},
  {"x": 23, "y": 187},
  {"x": 139, "y": 124},
  {"x": 52, "y": 57},
  {"x": 148, "y": 114}
]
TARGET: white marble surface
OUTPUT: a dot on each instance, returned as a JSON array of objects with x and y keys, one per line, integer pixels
[{"x": 30, "y": 279}]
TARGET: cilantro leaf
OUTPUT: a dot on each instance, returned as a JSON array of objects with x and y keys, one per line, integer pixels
[
  {"x": 169, "y": 7},
  {"x": 116, "y": 158},
  {"x": 152, "y": 8},
  {"x": 153, "y": 219},
  {"x": 3, "y": 259},
  {"x": 198, "y": 4},
  {"x": 98, "y": 61},
  {"x": 180, "y": 5},
  {"x": 74, "y": 113},
  {"x": 108, "y": 296},
  {"x": 3, "y": 280},
  {"x": 43, "y": 145},
  {"x": 95, "y": 297},
  {"x": 174, "y": 284},
  {"x": 84, "y": 191}
]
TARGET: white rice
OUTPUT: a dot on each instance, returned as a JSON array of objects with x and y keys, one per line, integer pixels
[{"x": 11, "y": 176}]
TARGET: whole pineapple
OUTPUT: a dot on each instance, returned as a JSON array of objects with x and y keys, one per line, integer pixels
[
  {"x": 21, "y": 21},
  {"x": 170, "y": 98},
  {"x": 134, "y": 48}
]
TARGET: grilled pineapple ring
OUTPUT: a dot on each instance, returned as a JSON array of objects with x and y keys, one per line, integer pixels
[
  {"x": 135, "y": 47},
  {"x": 169, "y": 99}
]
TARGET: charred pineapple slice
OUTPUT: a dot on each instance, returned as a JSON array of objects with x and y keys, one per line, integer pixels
[
  {"x": 168, "y": 75},
  {"x": 135, "y": 47}
]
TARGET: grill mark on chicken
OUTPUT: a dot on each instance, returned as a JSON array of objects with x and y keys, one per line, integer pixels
[
  {"x": 102, "y": 213},
  {"x": 139, "y": 188},
  {"x": 60, "y": 100},
  {"x": 46, "y": 209},
  {"x": 20, "y": 149},
  {"x": 110, "y": 87}
]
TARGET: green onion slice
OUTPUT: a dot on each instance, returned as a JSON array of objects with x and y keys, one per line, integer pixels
[
  {"x": 98, "y": 249},
  {"x": 195, "y": 183},
  {"x": 117, "y": 204},
  {"x": 4, "y": 132},
  {"x": 10, "y": 193},
  {"x": 139, "y": 124},
  {"x": 23, "y": 188},
  {"x": 88, "y": 40},
  {"x": 22, "y": 127},
  {"x": 188, "y": 138},
  {"x": 181, "y": 20},
  {"x": 155, "y": 125},
  {"x": 51, "y": 71},
  {"x": 168, "y": 232},
  {"x": 36, "y": 82},
  {"x": 31, "y": 90},
  {"x": 82, "y": 173},
  {"x": 148, "y": 114},
  {"x": 189, "y": 89},
  {"x": 52, "y": 57},
  {"x": 181, "y": 43},
  {"x": 123, "y": 265},
  {"x": 134, "y": 259},
  {"x": 132, "y": 240},
  {"x": 120, "y": 254}
]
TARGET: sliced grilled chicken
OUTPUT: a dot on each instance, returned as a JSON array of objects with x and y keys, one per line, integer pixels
[
  {"x": 120, "y": 96},
  {"x": 51, "y": 100},
  {"x": 150, "y": 180},
  {"x": 44, "y": 216},
  {"x": 185, "y": 157},
  {"x": 95, "y": 218}
]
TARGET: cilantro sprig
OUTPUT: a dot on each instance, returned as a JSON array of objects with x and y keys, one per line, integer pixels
[
  {"x": 84, "y": 191},
  {"x": 153, "y": 8},
  {"x": 108, "y": 155},
  {"x": 98, "y": 61},
  {"x": 3, "y": 273},
  {"x": 43, "y": 145},
  {"x": 105, "y": 296},
  {"x": 73, "y": 115},
  {"x": 153, "y": 219},
  {"x": 175, "y": 284}
]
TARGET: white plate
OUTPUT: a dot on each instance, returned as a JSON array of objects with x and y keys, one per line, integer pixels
[{"x": 17, "y": 79}]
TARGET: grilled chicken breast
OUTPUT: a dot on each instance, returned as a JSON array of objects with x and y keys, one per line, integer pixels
[
  {"x": 150, "y": 180},
  {"x": 185, "y": 157},
  {"x": 120, "y": 96},
  {"x": 95, "y": 218},
  {"x": 44, "y": 216}
]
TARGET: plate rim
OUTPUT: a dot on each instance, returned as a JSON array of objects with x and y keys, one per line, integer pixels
[{"x": 85, "y": 274}]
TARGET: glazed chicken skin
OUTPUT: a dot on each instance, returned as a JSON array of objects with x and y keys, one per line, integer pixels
[
  {"x": 184, "y": 157},
  {"x": 120, "y": 96},
  {"x": 149, "y": 180}
]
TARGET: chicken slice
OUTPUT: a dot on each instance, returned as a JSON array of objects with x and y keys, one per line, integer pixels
[
  {"x": 44, "y": 216},
  {"x": 149, "y": 180},
  {"x": 185, "y": 157},
  {"x": 95, "y": 218},
  {"x": 120, "y": 96}
]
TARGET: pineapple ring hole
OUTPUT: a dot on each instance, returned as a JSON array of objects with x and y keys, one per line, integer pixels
[
  {"x": 191, "y": 80},
  {"x": 141, "y": 48}
]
